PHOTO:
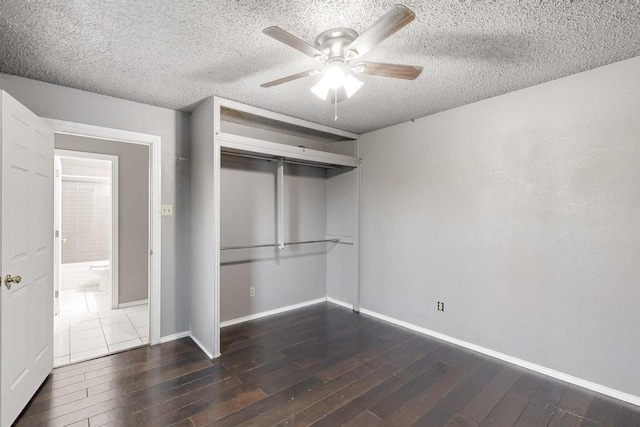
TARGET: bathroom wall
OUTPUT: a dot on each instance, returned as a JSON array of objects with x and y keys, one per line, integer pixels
[
  {"x": 133, "y": 209},
  {"x": 86, "y": 210}
]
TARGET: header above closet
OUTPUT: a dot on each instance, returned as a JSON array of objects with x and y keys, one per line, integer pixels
[{"x": 242, "y": 129}]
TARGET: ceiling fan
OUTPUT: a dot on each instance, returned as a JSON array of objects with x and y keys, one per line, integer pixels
[{"x": 338, "y": 49}]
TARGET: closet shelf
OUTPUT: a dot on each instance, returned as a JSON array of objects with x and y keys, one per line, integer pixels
[
  {"x": 230, "y": 143},
  {"x": 275, "y": 159},
  {"x": 269, "y": 245}
]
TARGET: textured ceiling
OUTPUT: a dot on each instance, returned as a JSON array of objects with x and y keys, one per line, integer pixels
[{"x": 174, "y": 54}]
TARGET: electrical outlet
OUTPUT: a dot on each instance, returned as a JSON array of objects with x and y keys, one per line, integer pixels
[
  {"x": 440, "y": 306},
  {"x": 252, "y": 292},
  {"x": 166, "y": 210}
]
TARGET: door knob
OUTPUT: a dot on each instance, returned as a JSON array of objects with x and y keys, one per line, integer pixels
[{"x": 9, "y": 280}]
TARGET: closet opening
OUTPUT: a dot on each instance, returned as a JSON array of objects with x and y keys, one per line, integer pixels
[{"x": 284, "y": 232}]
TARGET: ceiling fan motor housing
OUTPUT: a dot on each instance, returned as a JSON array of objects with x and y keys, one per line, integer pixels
[{"x": 334, "y": 42}]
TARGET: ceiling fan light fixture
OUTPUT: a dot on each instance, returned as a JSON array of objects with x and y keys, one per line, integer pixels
[
  {"x": 321, "y": 89},
  {"x": 351, "y": 85},
  {"x": 334, "y": 76}
]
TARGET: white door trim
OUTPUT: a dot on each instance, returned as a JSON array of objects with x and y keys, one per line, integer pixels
[
  {"x": 155, "y": 258},
  {"x": 115, "y": 247}
]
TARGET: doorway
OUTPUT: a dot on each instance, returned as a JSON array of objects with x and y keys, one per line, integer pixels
[
  {"x": 86, "y": 231},
  {"x": 153, "y": 200},
  {"x": 102, "y": 247}
]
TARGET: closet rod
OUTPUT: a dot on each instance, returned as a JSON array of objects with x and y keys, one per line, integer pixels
[
  {"x": 274, "y": 159},
  {"x": 268, "y": 245}
]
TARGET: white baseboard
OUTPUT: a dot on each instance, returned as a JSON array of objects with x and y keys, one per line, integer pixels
[
  {"x": 195, "y": 340},
  {"x": 184, "y": 334},
  {"x": 635, "y": 400},
  {"x": 338, "y": 302},
  {"x": 173, "y": 337},
  {"x": 133, "y": 303},
  {"x": 271, "y": 312}
]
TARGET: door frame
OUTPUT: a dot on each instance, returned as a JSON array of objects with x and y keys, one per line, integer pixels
[
  {"x": 155, "y": 233},
  {"x": 114, "y": 244}
]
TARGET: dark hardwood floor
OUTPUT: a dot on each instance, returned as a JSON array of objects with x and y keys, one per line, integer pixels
[{"x": 321, "y": 366}]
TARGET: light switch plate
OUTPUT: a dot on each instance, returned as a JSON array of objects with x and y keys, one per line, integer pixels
[{"x": 166, "y": 210}]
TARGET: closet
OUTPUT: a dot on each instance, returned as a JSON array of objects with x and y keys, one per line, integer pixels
[{"x": 275, "y": 216}]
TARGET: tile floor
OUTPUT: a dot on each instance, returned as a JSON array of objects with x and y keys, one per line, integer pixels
[{"x": 86, "y": 328}]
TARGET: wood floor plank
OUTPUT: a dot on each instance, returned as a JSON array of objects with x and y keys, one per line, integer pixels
[
  {"x": 455, "y": 375},
  {"x": 187, "y": 405},
  {"x": 413, "y": 410},
  {"x": 459, "y": 420},
  {"x": 509, "y": 409},
  {"x": 371, "y": 397},
  {"x": 322, "y": 365},
  {"x": 431, "y": 356},
  {"x": 337, "y": 368},
  {"x": 451, "y": 404},
  {"x": 576, "y": 401},
  {"x": 54, "y": 402},
  {"x": 628, "y": 416},
  {"x": 416, "y": 346},
  {"x": 603, "y": 411},
  {"x": 484, "y": 402},
  {"x": 564, "y": 418},
  {"x": 264, "y": 405},
  {"x": 365, "y": 418},
  {"x": 340, "y": 398},
  {"x": 151, "y": 377},
  {"x": 507, "y": 412},
  {"x": 141, "y": 400},
  {"x": 543, "y": 405},
  {"x": 214, "y": 413},
  {"x": 278, "y": 414},
  {"x": 404, "y": 393}
]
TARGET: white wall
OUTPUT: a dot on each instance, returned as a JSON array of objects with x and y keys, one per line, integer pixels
[
  {"x": 521, "y": 213},
  {"x": 202, "y": 313},
  {"x": 74, "y": 105}
]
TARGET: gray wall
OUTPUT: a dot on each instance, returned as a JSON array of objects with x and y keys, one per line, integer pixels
[
  {"x": 133, "y": 209},
  {"x": 342, "y": 262},
  {"x": 521, "y": 213},
  {"x": 248, "y": 216},
  {"x": 58, "y": 102}
]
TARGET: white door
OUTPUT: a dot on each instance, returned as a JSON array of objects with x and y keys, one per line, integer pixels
[{"x": 26, "y": 319}]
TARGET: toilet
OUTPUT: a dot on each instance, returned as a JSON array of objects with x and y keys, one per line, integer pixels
[{"x": 102, "y": 269}]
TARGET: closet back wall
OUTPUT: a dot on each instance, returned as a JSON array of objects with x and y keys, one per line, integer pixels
[{"x": 248, "y": 216}]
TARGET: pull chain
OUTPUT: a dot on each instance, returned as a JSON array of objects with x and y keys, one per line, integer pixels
[{"x": 335, "y": 105}]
